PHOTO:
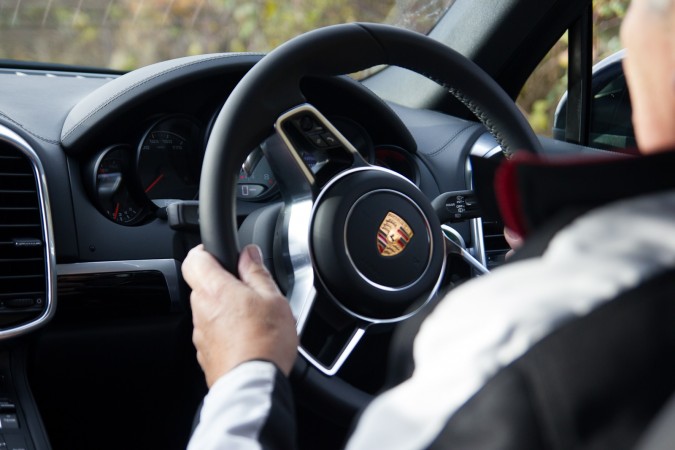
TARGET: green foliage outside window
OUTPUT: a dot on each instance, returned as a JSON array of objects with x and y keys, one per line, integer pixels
[
  {"x": 542, "y": 92},
  {"x": 126, "y": 34}
]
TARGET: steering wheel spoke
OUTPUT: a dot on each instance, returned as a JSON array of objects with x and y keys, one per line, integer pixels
[
  {"x": 336, "y": 360},
  {"x": 318, "y": 149}
]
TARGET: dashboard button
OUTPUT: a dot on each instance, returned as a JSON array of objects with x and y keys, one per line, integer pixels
[
  {"x": 317, "y": 140},
  {"x": 9, "y": 421},
  {"x": 329, "y": 139},
  {"x": 7, "y": 405}
]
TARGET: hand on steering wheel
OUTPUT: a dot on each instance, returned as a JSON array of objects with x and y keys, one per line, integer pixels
[{"x": 237, "y": 321}]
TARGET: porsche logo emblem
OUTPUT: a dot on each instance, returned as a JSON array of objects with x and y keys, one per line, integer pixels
[{"x": 393, "y": 235}]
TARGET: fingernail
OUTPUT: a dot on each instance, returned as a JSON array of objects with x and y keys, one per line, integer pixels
[
  {"x": 255, "y": 253},
  {"x": 511, "y": 234}
]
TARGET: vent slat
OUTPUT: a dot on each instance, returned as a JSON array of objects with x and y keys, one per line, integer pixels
[
  {"x": 496, "y": 246},
  {"x": 20, "y": 277},
  {"x": 11, "y": 268},
  {"x": 23, "y": 183},
  {"x": 5, "y": 261},
  {"x": 27, "y": 293},
  {"x": 20, "y": 225}
]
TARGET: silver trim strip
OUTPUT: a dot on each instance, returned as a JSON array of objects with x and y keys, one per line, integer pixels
[
  {"x": 170, "y": 268},
  {"x": 478, "y": 238},
  {"x": 302, "y": 293},
  {"x": 279, "y": 128},
  {"x": 296, "y": 216},
  {"x": 485, "y": 147},
  {"x": 344, "y": 354},
  {"x": 455, "y": 244},
  {"x": 447, "y": 229},
  {"x": 10, "y": 137}
]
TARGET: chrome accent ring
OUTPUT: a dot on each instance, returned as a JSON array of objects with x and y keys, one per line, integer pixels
[{"x": 10, "y": 137}]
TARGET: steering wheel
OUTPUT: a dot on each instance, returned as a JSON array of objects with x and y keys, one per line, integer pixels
[{"x": 353, "y": 239}]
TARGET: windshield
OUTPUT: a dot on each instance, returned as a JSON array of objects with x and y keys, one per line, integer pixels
[{"x": 126, "y": 34}]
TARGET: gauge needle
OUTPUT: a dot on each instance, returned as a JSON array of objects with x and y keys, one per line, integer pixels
[
  {"x": 251, "y": 161},
  {"x": 154, "y": 183},
  {"x": 117, "y": 211}
]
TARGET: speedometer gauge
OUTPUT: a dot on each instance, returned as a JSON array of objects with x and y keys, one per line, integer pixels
[{"x": 169, "y": 160}]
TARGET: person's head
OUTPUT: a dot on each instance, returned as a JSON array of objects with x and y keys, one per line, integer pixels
[{"x": 648, "y": 34}]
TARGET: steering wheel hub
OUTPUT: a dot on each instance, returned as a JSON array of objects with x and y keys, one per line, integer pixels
[{"x": 376, "y": 247}]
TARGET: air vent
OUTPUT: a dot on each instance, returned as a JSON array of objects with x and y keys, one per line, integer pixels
[
  {"x": 495, "y": 243},
  {"x": 25, "y": 275}
]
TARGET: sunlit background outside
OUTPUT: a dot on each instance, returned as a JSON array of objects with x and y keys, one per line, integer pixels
[{"x": 126, "y": 34}]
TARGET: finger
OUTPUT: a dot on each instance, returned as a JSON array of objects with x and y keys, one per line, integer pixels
[
  {"x": 202, "y": 271},
  {"x": 188, "y": 267},
  {"x": 254, "y": 273},
  {"x": 512, "y": 238}
]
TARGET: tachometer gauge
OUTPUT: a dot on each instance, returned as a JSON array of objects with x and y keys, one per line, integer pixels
[
  {"x": 169, "y": 160},
  {"x": 398, "y": 160},
  {"x": 112, "y": 187}
]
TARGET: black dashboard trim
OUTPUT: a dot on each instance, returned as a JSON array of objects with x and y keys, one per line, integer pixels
[
  {"x": 170, "y": 269},
  {"x": 92, "y": 113}
]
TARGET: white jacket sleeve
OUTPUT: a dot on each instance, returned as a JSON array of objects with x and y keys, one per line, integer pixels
[{"x": 250, "y": 407}]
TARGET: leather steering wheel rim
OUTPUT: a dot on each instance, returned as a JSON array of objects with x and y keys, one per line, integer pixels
[{"x": 272, "y": 87}]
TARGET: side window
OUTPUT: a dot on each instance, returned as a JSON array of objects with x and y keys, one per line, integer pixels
[
  {"x": 544, "y": 98},
  {"x": 610, "y": 125}
]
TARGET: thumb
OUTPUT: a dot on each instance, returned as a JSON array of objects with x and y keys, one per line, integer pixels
[{"x": 254, "y": 273}]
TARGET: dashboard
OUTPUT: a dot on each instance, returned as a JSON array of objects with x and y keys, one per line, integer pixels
[{"x": 117, "y": 150}]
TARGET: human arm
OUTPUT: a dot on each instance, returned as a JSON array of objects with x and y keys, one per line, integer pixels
[
  {"x": 250, "y": 407},
  {"x": 246, "y": 343}
]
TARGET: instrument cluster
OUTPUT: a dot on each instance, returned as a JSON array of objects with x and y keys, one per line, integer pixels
[{"x": 130, "y": 182}]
